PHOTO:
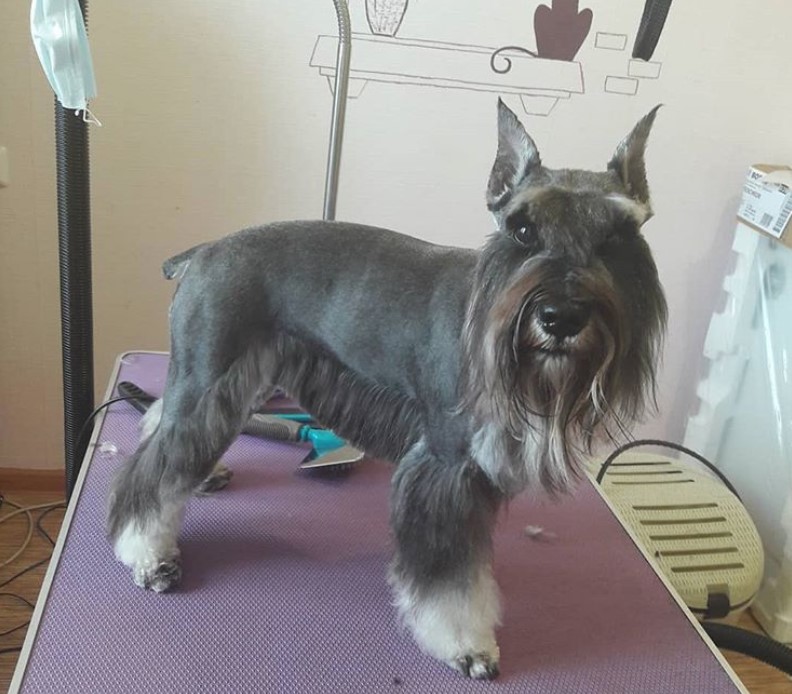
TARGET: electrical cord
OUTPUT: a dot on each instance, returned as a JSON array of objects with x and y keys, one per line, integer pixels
[
  {"x": 27, "y": 569},
  {"x": 44, "y": 533},
  {"x": 727, "y": 637},
  {"x": 17, "y": 597},
  {"x": 29, "y": 535},
  {"x": 13, "y": 629},
  {"x": 26, "y": 510},
  {"x": 90, "y": 417},
  {"x": 48, "y": 508},
  {"x": 41, "y": 517},
  {"x": 664, "y": 444},
  {"x": 22, "y": 600}
]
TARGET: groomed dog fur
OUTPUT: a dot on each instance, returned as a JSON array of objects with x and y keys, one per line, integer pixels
[{"x": 478, "y": 373}]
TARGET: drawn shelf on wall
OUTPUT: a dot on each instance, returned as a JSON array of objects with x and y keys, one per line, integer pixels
[
  {"x": 539, "y": 83},
  {"x": 540, "y": 78}
]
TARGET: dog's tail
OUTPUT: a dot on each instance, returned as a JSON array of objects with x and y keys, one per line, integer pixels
[{"x": 175, "y": 267}]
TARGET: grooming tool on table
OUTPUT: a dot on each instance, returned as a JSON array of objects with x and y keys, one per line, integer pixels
[
  {"x": 329, "y": 453},
  {"x": 138, "y": 398},
  {"x": 327, "y": 449}
]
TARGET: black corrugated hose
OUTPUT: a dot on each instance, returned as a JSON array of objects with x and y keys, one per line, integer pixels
[
  {"x": 751, "y": 644},
  {"x": 74, "y": 257},
  {"x": 651, "y": 26}
]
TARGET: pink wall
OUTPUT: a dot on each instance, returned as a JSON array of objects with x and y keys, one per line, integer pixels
[{"x": 213, "y": 119}]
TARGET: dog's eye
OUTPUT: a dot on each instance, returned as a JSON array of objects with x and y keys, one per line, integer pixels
[
  {"x": 523, "y": 234},
  {"x": 520, "y": 228}
]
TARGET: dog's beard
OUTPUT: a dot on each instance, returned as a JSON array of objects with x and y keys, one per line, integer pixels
[{"x": 550, "y": 399}]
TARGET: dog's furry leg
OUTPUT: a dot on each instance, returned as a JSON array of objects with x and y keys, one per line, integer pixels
[
  {"x": 202, "y": 412},
  {"x": 217, "y": 479},
  {"x": 221, "y": 474},
  {"x": 442, "y": 516},
  {"x": 150, "y": 420}
]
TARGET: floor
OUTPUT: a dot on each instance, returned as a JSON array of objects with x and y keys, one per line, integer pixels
[{"x": 756, "y": 676}]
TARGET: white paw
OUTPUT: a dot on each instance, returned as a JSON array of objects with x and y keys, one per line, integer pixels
[
  {"x": 152, "y": 551},
  {"x": 456, "y": 625},
  {"x": 160, "y": 577}
]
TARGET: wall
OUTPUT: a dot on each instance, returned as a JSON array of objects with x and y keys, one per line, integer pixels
[
  {"x": 213, "y": 120},
  {"x": 30, "y": 376}
]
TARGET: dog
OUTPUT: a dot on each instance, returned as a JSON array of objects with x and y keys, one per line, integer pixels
[{"x": 478, "y": 373}]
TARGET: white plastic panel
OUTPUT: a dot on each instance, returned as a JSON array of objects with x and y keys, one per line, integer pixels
[{"x": 744, "y": 422}]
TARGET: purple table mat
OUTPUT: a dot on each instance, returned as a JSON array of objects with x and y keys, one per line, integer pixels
[{"x": 284, "y": 591}]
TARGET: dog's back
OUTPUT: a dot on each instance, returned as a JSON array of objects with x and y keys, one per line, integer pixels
[{"x": 380, "y": 301}]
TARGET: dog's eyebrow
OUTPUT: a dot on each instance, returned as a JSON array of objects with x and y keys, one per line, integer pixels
[{"x": 638, "y": 211}]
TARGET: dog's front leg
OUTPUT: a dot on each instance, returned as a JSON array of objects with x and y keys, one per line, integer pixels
[{"x": 442, "y": 515}]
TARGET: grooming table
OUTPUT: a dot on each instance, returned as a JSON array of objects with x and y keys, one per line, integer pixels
[{"x": 284, "y": 591}]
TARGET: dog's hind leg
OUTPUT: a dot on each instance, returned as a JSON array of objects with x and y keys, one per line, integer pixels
[
  {"x": 205, "y": 405},
  {"x": 442, "y": 515},
  {"x": 217, "y": 479},
  {"x": 151, "y": 420}
]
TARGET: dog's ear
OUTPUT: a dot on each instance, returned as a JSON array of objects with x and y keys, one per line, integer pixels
[
  {"x": 517, "y": 155},
  {"x": 628, "y": 161}
]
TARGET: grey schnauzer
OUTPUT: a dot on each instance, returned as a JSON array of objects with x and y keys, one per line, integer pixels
[{"x": 479, "y": 373}]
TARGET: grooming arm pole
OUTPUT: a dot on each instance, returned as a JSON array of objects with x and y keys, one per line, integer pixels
[{"x": 339, "y": 107}]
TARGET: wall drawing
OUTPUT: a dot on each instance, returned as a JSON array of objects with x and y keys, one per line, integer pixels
[{"x": 541, "y": 76}]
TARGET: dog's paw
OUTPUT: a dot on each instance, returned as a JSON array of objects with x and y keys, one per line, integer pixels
[
  {"x": 162, "y": 577},
  {"x": 218, "y": 479},
  {"x": 477, "y": 666}
]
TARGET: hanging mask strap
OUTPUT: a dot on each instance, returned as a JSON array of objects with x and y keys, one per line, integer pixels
[{"x": 89, "y": 117}]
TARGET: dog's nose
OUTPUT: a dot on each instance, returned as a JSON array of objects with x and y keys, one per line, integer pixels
[{"x": 563, "y": 319}]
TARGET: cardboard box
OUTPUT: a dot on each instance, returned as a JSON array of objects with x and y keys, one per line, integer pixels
[{"x": 767, "y": 201}]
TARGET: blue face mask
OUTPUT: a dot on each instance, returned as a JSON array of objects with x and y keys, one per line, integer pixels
[{"x": 58, "y": 32}]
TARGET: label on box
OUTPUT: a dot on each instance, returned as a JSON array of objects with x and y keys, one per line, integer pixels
[{"x": 767, "y": 206}]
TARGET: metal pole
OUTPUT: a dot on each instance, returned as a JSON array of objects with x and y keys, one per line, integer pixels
[{"x": 339, "y": 107}]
